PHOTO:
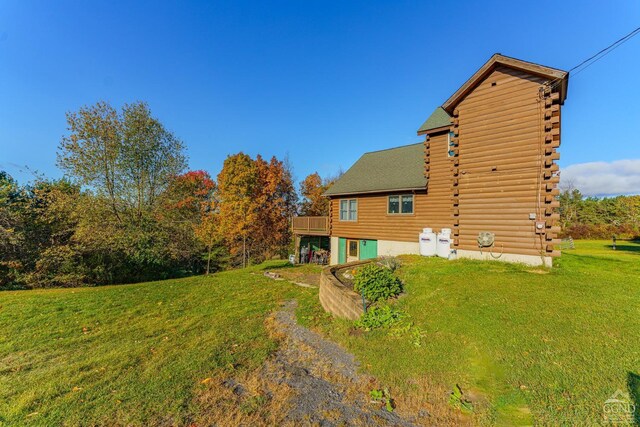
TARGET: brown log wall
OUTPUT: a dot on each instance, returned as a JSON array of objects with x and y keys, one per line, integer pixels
[
  {"x": 504, "y": 169},
  {"x": 432, "y": 208}
]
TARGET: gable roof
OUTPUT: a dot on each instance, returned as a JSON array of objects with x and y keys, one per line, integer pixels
[
  {"x": 400, "y": 168},
  {"x": 438, "y": 119},
  {"x": 553, "y": 74}
]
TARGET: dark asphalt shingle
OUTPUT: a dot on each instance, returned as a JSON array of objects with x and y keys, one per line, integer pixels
[
  {"x": 399, "y": 168},
  {"x": 437, "y": 119}
]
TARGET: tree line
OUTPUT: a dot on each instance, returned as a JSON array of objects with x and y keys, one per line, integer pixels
[
  {"x": 128, "y": 210},
  {"x": 599, "y": 218}
]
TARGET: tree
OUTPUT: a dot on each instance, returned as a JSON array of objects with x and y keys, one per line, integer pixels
[
  {"x": 255, "y": 201},
  {"x": 598, "y": 218},
  {"x": 52, "y": 221},
  {"x": 9, "y": 195},
  {"x": 128, "y": 158},
  {"x": 90, "y": 153},
  {"x": 570, "y": 201},
  {"x": 312, "y": 189},
  {"x": 47, "y": 222},
  {"x": 207, "y": 233},
  {"x": 237, "y": 203},
  {"x": 11, "y": 235},
  {"x": 277, "y": 201},
  {"x": 189, "y": 205}
]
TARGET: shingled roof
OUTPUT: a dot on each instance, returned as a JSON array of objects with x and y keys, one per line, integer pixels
[
  {"x": 400, "y": 168},
  {"x": 439, "y": 118}
]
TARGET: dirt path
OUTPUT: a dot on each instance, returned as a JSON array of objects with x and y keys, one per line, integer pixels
[
  {"x": 308, "y": 381},
  {"x": 327, "y": 390}
]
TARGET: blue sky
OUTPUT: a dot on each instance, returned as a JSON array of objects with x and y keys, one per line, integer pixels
[{"x": 321, "y": 81}]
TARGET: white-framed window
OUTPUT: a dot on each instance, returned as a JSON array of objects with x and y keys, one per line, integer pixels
[
  {"x": 348, "y": 210},
  {"x": 400, "y": 204},
  {"x": 450, "y": 145}
]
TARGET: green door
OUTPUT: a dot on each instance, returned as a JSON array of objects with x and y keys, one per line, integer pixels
[
  {"x": 368, "y": 249},
  {"x": 342, "y": 250}
]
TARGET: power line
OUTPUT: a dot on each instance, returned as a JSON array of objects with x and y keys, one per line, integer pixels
[
  {"x": 598, "y": 56},
  {"x": 608, "y": 48}
]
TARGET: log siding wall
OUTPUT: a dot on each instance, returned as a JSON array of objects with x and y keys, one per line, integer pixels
[
  {"x": 431, "y": 208},
  {"x": 504, "y": 170}
]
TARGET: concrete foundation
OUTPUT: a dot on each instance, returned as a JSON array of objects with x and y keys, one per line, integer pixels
[
  {"x": 393, "y": 248},
  {"x": 523, "y": 259}
]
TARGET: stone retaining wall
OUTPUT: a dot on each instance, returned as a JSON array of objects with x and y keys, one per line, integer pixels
[{"x": 337, "y": 298}]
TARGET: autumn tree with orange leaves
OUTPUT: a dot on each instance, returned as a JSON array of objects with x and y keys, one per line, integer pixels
[
  {"x": 277, "y": 201},
  {"x": 237, "y": 204},
  {"x": 312, "y": 189},
  {"x": 256, "y": 200},
  {"x": 190, "y": 205}
]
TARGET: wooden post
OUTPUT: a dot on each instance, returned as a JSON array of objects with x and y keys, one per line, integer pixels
[{"x": 297, "y": 249}]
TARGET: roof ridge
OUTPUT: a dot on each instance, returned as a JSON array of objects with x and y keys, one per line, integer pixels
[
  {"x": 393, "y": 148},
  {"x": 510, "y": 62},
  {"x": 528, "y": 62}
]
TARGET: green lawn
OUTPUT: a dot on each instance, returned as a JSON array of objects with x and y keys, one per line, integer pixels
[
  {"x": 531, "y": 345},
  {"x": 543, "y": 346},
  {"x": 133, "y": 354}
]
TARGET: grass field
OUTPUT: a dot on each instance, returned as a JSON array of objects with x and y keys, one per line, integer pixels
[
  {"x": 528, "y": 345},
  {"x": 134, "y": 354},
  {"x": 531, "y": 345}
]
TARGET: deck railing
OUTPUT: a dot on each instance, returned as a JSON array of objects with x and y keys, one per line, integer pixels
[{"x": 311, "y": 225}]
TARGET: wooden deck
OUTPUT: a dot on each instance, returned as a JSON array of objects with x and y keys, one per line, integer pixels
[{"x": 310, "y": 225}]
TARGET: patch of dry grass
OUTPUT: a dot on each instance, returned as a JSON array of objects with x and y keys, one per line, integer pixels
[
  {"x": 249, "y": 399},
  {"x": 429, "y": 402}
]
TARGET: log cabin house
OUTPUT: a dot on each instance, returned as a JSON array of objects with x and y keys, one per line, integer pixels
[{"x": 487, "y": 164}]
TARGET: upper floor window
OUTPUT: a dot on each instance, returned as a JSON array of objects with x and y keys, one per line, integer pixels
[
  {"x": 348, "y": 210},
  {"x": 400, "y": 204},
  {"x": 450, "y": 145}
]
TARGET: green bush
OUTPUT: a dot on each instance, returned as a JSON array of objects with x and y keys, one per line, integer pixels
[
  {"x": 379, "y": 317},
  {"x": 376, "y": 283},
  {"x": 390, "y": 262}
]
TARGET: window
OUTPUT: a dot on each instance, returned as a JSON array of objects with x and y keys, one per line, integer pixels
[
  {"x": 401, "y": 204},
  {"x": 348, "y": 210},
  {"x": 353, "y": 249},
  {"x": 450, "y": 145},
  {"x": 406, "y": 206},
  {"x": 394, "y": 204}
]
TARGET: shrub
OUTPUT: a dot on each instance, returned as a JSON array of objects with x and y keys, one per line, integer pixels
[
  {"x": 390, "y": 262},
  {"x": 379, "y": 317},
  {"x": 600, "y": 231},
  {"x": 376, "y": 283}
]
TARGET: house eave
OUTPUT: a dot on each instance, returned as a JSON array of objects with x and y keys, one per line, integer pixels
[
  {"x": 388, "y": 190},
  {"x": 433, "y": 131}
]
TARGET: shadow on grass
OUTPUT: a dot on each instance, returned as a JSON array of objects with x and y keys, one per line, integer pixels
[
  {"x": 275, "y": 265},
  {"x": 596, "y": 259},
  {"x": 286, "y": 265},
  {"x": 634, "y": 249},
  {"x": 633, "y": 384}
]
